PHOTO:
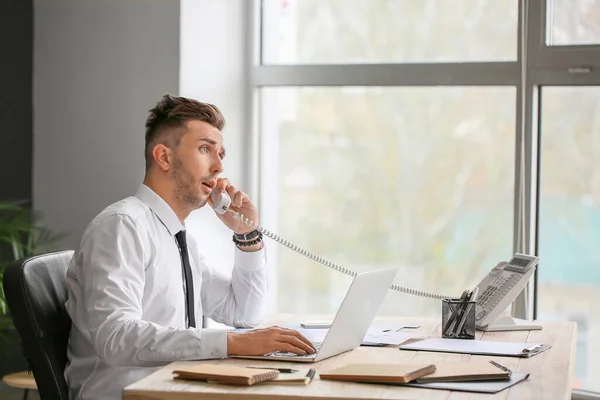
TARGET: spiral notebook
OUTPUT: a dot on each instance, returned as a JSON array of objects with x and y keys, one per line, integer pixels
[
  {"x": 228, "y": 374},
  {"x": 300, "y": 377}
]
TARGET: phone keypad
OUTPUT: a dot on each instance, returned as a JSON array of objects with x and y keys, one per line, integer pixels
[{"x": 492, "y": 294}]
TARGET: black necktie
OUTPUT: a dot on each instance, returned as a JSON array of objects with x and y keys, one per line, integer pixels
[{"x": 189, "y": 282}]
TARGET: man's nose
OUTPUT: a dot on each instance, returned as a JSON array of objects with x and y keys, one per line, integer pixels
[{"x": 217, "y": 166}]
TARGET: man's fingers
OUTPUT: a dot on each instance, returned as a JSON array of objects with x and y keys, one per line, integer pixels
[
  {"x": 302, "y": 338},
  {"x": 231, "y": 190},
  {"x": 223, "y": 183},
  {"x": 237, "y": 199},
  {"x": 299, "y": 341},
  {"x": 237, "y": 196},
  {"x": 283, "y": 346}
]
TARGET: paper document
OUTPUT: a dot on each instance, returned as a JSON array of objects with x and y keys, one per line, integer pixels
[
  {"x": 484, "y": 347},
  {"x": 394, "y": 338},
  {"x": 372, "y": 336}
]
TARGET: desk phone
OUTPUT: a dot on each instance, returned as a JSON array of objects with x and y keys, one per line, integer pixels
[{"x": 501, "y": 286}]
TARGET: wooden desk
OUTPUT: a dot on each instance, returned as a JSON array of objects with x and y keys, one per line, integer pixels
[{"x": 551, "y": 371}]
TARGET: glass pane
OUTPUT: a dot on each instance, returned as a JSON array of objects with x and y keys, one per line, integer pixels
[
  {"x": 569, "y": 224},
  {"x": 573, "y": 22},
  {"x": 379, "y": 176},
  {"x": 379, "y": 31}
]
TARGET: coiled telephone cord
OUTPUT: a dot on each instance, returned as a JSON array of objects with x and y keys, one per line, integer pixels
[{"x": 325, "y": 262}]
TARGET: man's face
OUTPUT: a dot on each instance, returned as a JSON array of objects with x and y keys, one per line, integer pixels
[{"x": 197, "y": 162}]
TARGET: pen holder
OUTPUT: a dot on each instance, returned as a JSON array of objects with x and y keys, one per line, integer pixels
[{"x": 458, "y": 319}]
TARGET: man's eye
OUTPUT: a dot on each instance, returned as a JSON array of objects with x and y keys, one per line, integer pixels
[{"x": 204, "y": 149}]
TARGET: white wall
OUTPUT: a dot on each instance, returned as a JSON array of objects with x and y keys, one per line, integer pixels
[
  {"x": 213, "y": 69},
  {"x": 99, "y": 66}
]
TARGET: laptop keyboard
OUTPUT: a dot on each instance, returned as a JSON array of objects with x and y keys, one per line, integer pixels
[{"x": 316, "y": 345}]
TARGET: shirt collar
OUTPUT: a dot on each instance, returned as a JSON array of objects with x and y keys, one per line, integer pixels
[{"x": 161, "y": 209}]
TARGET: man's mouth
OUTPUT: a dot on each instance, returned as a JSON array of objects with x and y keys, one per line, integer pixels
[{"x": 210, "y": 184}]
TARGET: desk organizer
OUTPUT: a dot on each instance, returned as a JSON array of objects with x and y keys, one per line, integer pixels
[{"x": 458, "y": 319}]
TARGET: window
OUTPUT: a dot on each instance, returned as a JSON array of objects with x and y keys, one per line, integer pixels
[
  {"x": 377, "y": 31},
  {"x": 436, "y": 135},
  {"x": 573, "y": 22},
  {"x": 569, "y": 213},
  {"x": 369, "y": 177}
]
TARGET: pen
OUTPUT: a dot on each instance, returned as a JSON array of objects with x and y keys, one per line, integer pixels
[
  {"x": 282, "y": 370},
  {"x": 502, "y": 367},
  {"x": 466, "y": 312}
]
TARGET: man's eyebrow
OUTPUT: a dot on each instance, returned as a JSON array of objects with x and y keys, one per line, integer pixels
[{"x": 214, "y": 143}]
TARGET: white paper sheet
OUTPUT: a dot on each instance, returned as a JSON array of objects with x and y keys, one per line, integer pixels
[{"x": 372, "y": 336}]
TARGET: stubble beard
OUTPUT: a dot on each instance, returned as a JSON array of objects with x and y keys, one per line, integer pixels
[{"x": 186, "y": 191}]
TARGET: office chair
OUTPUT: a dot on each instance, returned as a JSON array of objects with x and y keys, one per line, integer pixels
[{"x": 36, "y": 291}]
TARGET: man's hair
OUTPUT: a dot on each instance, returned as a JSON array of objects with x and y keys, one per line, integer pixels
[{"x": 166, "y": 122}]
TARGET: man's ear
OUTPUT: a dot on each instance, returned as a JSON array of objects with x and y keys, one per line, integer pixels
[{"x": 163, "y": 156}]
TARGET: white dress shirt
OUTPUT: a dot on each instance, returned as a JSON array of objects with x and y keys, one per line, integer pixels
[{"x": 127, "y": 304}]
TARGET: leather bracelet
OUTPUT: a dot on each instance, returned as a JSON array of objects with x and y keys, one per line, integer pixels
[
  {"x": 248, "y": 243},
  {"x": 247, "y": 236}
]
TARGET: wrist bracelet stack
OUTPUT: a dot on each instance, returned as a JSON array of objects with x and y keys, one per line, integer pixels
[{"x": 248, "y": 239}]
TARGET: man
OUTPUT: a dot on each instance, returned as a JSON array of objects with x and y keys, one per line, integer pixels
[{"x": 137, "y": 285}]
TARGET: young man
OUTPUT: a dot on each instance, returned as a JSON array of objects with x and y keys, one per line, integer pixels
[{"x": 138, "y": 286}]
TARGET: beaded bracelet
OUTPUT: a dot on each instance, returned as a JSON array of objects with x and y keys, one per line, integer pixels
[{"x": 248, "y": 243}]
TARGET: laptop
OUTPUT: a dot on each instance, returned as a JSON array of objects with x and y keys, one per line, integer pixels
[{"x": 352, "y": 320}]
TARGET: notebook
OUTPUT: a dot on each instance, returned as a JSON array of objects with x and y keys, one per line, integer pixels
[
  {"x": 228, "y": 374},
  {"x": 378, "y": 372},
  {"x": 460, "y": 372},
  {"x": 301, "y": 377}
]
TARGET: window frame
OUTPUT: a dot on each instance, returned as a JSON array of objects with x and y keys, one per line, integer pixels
[{"x": 565, "y": 58}]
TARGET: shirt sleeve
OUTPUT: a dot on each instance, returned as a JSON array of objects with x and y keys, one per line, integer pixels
[
  {"x": 237, "y": 300},
  {"x": 113, "y": 259}
]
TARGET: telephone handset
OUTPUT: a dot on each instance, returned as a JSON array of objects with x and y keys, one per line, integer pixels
[
  {"x": 221, "y": 203},
  {"x": 496, "y": 291}
]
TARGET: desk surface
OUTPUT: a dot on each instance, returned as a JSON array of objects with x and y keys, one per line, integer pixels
[{"x": 551, "y": 372}]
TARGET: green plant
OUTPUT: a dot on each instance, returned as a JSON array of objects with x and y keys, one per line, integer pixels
[{"x": 21, "y": 236}]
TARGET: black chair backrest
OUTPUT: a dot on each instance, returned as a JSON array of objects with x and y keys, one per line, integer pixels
[{"x": 36, "y": 291}]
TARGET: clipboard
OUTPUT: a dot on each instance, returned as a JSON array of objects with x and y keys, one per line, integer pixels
[
  {"x": 481, "y": 347},
  {"x": 490, "y": 387}
]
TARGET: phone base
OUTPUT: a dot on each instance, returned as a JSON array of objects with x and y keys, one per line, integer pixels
[{"x": 508, "y": 323}]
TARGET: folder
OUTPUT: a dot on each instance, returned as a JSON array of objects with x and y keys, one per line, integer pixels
[
  {"x": 490, "y": 387},
  {"x": 465, "y": 371},
  {"x": 228, "y": 374},
  {"x": 378, "y": 372},
  {"x": 467, "y": 346}
]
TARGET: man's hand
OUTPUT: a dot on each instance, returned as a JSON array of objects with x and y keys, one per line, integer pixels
[
  {"x": 240, "y": 202},
  {"x": 263, "y": 341}
]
